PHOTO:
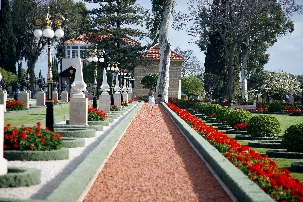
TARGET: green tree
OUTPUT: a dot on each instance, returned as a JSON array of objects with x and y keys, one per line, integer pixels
[
  {"x": 115, "y": 30},
  {"x": 191, "y": 86},
  {"x": 237, "y": 22},
  {"x": 149, "y": 81},
  {"x": 10, "y": 78},
  {"x": 7, "y": 38},
  {"x": 25, "y": 14}
]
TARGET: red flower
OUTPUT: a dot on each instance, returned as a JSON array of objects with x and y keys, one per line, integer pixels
[
  {"x": 31, "y": 147},
  {"x": 23, "y": 135}
]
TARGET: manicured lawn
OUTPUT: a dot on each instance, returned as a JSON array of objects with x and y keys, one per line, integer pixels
[{"x": 33, "y": 118}]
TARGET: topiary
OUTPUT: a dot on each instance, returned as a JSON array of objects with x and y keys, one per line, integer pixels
[
  {"x": 237, "y": 116},
  {"x": 293, "y": 138},
  {"x": 263, "y": 126}
]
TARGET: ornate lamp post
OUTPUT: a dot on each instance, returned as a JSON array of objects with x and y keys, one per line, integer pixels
[
  {"x": 112, "y": 69},
  {"x": 301, "y": 87},
  {"x": 49, "y": 22},
  {"x": 95, "y": 56}
]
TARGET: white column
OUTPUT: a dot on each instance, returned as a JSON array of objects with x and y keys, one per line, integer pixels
[{"x": 3, "y": 161}]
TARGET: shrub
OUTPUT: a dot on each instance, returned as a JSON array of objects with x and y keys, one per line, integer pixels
[
  {"x": 221, "y": 113},
  {"x": 237, "y": 116},
  {"x": 293, "y": 138},
  {"x": 14, "y": 105},
  {"x": 199, "y": 106},
  {"x": 210, "y": 109},
  {"x": 263, "y": 126},
  {"x": 31, "y": 138},
  {"x": 276, "y": 107},
  {"x": 96, "y": 114}
]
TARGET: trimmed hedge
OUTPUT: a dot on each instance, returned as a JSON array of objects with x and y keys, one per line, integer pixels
[
  {"x": 72, "y": 142},
  {"x": 78, "y": 132},
  {"x": 16, "y": 155},
  {"x": 263, "y": 126},
  {"x": 18, "y": 177},
  {"x": 293, "y": 138}
]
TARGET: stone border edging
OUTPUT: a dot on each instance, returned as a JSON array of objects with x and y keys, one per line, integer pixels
[
  {"x": 20, "y": 176},
  {"x": 238, "y": 183}
]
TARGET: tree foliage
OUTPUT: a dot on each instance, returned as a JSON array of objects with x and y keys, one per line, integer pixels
[
  {"x": 237, "y": 22},
  {"x": 191, "y": 86},
  {"x": 191, "y": 65},
  {"x": 149, "y": 81},
  {"x": 25, "y": 14},
  {"x": 7, "y": 38},
  {"x": 115, "y": 29}
]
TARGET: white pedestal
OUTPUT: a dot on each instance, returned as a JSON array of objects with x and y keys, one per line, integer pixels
[
  {"x": 104, "y": 102},
  {"x": 55, "y": 95},
  {"x": 125, "y": 97},
  {"x": 3, "y": 99},
  {"x": 64, "y": 96},
  {"x": 3, "y": 161},
  {"x": 24, "y": 97},
  {"x": 117, "y": 99},
  {"x": 40, "y": 98},
  {"x": 78, "y": 110}
]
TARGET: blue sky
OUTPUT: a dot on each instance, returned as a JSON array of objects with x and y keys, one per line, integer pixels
[{"x": 286, "y": 54}]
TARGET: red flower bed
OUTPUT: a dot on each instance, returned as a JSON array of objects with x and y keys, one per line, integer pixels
[
  {"x": 95, "y": 114},
  {"x": 31, "y": 138},
  {"x": 275, "y": 181}
]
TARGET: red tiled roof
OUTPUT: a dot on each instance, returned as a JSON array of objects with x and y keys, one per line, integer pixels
[
  {"x": 85, "y": 38},
  {"x": 154, "y": 54}
]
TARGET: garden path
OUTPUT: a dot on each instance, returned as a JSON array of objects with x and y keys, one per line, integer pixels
[{"x": 154, "y": 162}]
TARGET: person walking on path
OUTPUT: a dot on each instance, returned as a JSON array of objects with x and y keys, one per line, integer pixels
[
  {"x": 151, "y": 98},
  {"x": 153, "y": 161}
]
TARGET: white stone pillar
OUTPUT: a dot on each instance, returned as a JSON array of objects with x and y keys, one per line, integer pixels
[
  {"x": 125, "y": 96},
  {"x": 104, "y": 102},
  {"x": 117, "y": 99},
  {"x": 78, "y": 111},
  {"x": 40, "y": 98},
  {"x": 64, "y": 96},
  {"x": 3, "y": 99},
  {"x": 3, "y": 161},
  {"x": 55, "y": 95},
  {"x": 24, "y": 97}
]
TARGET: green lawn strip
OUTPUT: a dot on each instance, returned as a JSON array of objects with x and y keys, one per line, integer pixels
[{"x": 32, "y": 119}]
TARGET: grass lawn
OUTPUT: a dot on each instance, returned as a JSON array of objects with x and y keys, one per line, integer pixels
[{"x": 34, "y": 118}]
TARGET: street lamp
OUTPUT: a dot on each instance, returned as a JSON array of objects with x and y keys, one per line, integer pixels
[
  {"x": 301, "y": 87},
  {"x": 95, "y": 56},
  {"x": 111, "y": 69},
  {"x": 49, "y": 22}
]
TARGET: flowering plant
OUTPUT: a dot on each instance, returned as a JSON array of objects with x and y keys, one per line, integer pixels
[
  {"x": 96, "y": 114},
  {"x": 114, "y": 108},
  {"x": 240, "y": 126},
  {"x": 31, "y": 138},
  {"x": 15, "y": 105},
  {"x": 55, "y": 101},
  {"x": 294, "y": 110},
  {"x": 124, "y": 103},
  {"x": 276, "y": 182}
]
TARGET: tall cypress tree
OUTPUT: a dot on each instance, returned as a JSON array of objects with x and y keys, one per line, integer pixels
[{"x": 7, "y": 39}]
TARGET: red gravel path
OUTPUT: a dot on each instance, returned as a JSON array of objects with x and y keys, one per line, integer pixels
[{"x": 154, "y": 162}]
